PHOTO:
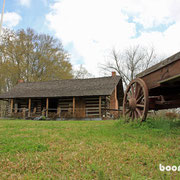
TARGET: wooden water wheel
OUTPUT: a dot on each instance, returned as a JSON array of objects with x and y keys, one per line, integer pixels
[{"x": 136, "y": 101}]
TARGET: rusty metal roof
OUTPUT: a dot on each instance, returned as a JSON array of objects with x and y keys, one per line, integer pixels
[
  {"x": 160, "y": 65},
  {"x": 64, "y": 88}
]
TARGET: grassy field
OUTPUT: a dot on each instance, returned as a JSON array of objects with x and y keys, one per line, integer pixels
[{"x": 88, "y": 149}]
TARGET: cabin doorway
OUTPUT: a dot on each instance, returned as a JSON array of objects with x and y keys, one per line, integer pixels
[
  {"x": 80, "y": 107},
  {"x": 53, "y": 104}
]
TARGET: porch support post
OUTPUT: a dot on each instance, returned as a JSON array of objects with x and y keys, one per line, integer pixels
[
  {"x": 58, "y": 111},
  {"x": 24, "y": 113},
  {"x": 11, "y": 107},
  {"x": 29, "y": 113},
  {"x": 15, "y": 106},
  {"x": 47, "y": 106},
  {"x": 74, "y": 104},
  {"x": 99, "y": 106},
  {"x": 43, "y": 111}
]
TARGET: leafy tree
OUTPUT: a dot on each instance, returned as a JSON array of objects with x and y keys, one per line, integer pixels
[{"x": 32, "y": 57}]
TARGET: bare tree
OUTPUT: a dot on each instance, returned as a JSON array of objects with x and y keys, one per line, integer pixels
[
  {"x": 82, "y": 73},
  {"x": 129, "y": 62}
]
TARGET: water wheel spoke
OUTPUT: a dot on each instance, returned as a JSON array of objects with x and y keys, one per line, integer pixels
[
  {"x": 140, "y": 98},
  {"x": 126, "y": 101},
  {"x": 139, "y": 112},
  {"x": 140, "y": 105},
  {"x": 137, "y": 89},
  {"x": 128, "y": 95},
  {"x": 139, "y": 92},
  {"x": 136, "y": 101},
  {"x": 132, "y": 91},
  {"x": 136, "y": 114},
  {"x": 132, "y": 116},
  {"x": 128, "y": 111}
]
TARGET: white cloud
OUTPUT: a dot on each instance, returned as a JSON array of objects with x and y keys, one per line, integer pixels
[
  {"x": 25, "y": 2},
  {"x": 11, "y": 19},
  {"x": 93, "y": 27},
  {"x": 149, "y": 13},
  {"x": 165, "y": 42}
]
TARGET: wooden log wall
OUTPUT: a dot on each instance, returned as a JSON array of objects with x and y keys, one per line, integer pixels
[
  {"x": 106, "y": 112},
  {"x": 39, "y": 106},
  {"x": 34, "y": 105},
  {"x": 2, "y": 110},
  {"x": 5, "y": 109},
  {"x": 66, "y": 106},
  {"x": 92, "y": 105},
  {"x": 22, "y": 104}
]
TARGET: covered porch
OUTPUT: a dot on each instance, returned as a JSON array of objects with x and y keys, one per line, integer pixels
[{"x": 60, "y": 107}]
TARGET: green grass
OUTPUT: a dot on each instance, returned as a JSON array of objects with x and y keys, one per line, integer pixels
[{"x": 89, "y": 149}]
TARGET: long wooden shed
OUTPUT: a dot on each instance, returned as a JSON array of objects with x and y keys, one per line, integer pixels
[{"x": 72, "y": 98}]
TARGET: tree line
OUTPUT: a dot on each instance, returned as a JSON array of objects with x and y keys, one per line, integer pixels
[{"x": 27, "y": 55}]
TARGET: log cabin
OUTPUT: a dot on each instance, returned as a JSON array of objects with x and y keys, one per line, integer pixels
[{"x": 72, "y": 98}]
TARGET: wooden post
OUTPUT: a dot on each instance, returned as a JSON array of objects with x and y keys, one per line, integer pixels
[
  {"x": 99, "y": 106},
  {"x": 74, "y": 101},
  {"x": 58, "y": 111},
  {"x": 24, "y": 113},
  {"x": 34, "y": 110},
  {"x": 15, "y": 108},
  {"x": 11, "y": 111},
  {"x": 43, "y": 111},
  {"x": 0, "y": 111},
  {"x": 47, "y": 106},
  {"x": 29, "y": 113}
]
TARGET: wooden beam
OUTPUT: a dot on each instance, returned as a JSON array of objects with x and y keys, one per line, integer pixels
[
  {"x": 29, "y": 113},
  {"x": 16, "y": 108},
  {"x": 58, "y": 111},
  {"x": 34, "y": 110},
  {"x": 74, "y": 104},
  {"x": 24, "y": 113},
  {"x": 47, "y": 106},
  {"x": 11, "y": 106},
  {"x": 43, "y": 111},
  {"x": 99, "y": 106},
  {"x": 170, "y": 79}
]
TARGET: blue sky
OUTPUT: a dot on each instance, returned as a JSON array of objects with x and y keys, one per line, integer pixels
[
  {"x": 32, "y": 13},
  {"x": 89, "y": 29}
]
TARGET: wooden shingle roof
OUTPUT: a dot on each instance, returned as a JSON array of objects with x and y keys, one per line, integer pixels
[{"x": 64, "y": 88}]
